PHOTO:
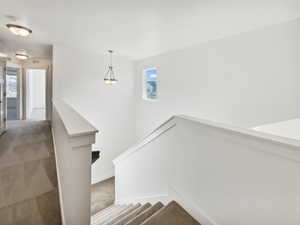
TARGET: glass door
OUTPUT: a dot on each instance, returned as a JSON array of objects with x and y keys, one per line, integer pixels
[
  {"x": 12, "y": 93},
  {"x": 2, "y": 98}
]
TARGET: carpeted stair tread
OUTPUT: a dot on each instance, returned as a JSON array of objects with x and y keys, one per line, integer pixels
[
  {"x": 172, "y": 214},
  {"x": 106, "y": 211},
  {"x": 114, "y": 213},
  {"x": 122, "y": 214},
  {"x": 133, "y": 214},
  {"x": 145, "y": 214}
]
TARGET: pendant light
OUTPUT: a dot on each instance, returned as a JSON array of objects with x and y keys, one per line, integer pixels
[
  {"x": 22, "y": 55},
  {"x": 19, "y": 30},
  {"x": 110, "y": 74}
]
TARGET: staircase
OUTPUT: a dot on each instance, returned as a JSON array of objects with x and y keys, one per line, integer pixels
[{"x": 144, "y": 214}]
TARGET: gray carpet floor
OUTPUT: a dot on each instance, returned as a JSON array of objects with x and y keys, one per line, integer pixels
[
  {"x": 102, "y": 195},
  {"x": 28, "y": 181}
]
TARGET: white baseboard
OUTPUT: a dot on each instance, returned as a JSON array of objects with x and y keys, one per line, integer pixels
[{"x": 59, "y": 182}]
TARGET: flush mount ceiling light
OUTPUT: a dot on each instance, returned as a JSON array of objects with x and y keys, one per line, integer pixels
[
  {"x": 22, "y": 55},
  {"x": 110, "y": 74},
  {"x": 3, "y": 55},
  {"x": 19, "y": 30}
]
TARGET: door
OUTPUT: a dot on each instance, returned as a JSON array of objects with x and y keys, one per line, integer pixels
[
  {"x": 2, "y": 98},
  {"x": 36, "y": 94},
  {"x": 12, "y": 93}
]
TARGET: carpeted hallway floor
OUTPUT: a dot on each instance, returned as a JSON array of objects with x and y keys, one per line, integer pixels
[{"x": 28, "y": 182}]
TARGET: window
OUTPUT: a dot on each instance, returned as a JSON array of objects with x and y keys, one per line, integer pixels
[
  {"x": 150, "y": 84},
  {"x": 12, "y": 84}
]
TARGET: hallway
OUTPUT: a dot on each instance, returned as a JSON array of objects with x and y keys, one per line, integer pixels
[{"x": 28, "y": 181}]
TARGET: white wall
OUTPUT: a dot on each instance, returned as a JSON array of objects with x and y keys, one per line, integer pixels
[
  {"x": 220, "y": 174},
  {"x": 78, "y": 78},
  {"x": 248, "y": 79}
]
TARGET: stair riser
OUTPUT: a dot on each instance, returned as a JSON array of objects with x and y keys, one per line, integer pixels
[
  {"x": 107, "y": 217},
  {"x": 133, "y": 214},
  {"x": 144, "y": 215},
  {"x": 105, "y": 213},
  {"x": 172, "y": 214}
]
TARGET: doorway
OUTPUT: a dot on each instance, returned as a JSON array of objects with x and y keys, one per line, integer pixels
[
  {"x": 36, "y": 94},
  {"x": 12, "y": 93}
]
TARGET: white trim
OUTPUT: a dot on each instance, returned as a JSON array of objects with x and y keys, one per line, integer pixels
[
  {"x": 160, "y": 126},
  {"x": 58, "y": 181},
  {"x": 73, "y": 122}
]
